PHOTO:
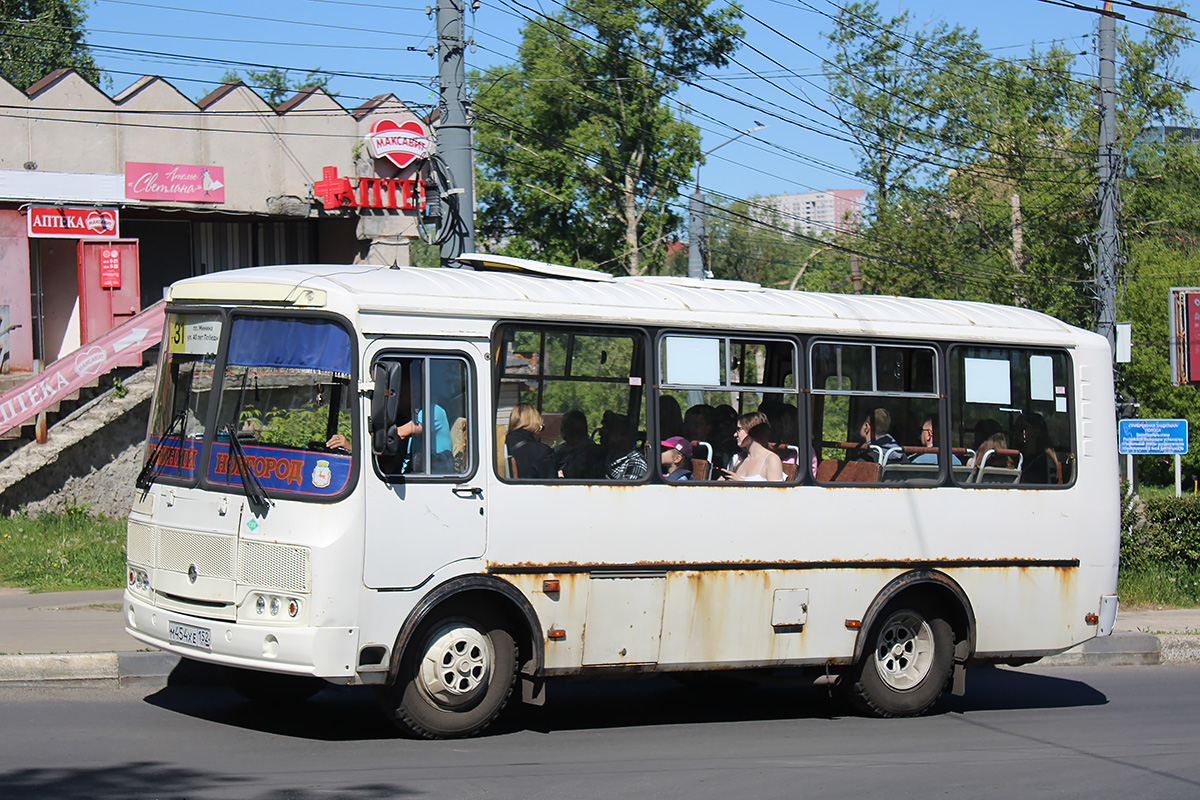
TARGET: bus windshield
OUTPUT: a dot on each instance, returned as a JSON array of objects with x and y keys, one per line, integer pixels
[
  {"x": 285, "y": 395},
  {"x": 185, "y": 374}
]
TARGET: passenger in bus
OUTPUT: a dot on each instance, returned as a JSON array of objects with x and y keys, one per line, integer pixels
[
  {"x": 676, "y": 459},
  {"x": 625, "y": 461},
  {"x": 724, "y": 435},
  {"x": 986, "y": 450},
  {"x": 929, "y": 439},
  {"x": 984, "y": 431},
  {"x": 578, "y": 456},
  {"x": 785, "y": 433},
  {"x": 879, "y": 444},
  {"x": 670, "y": 418},
  {"x": 698, "y": 424},
  {"x": 532, "y": 460},
  {"x": 755, "y": 462},
  {"x": 1039, "y": 461}
]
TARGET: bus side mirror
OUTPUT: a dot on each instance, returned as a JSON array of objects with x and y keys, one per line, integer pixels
[{"x": 385, "y": 403}]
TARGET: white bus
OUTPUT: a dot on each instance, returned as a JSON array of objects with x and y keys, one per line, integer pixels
[{"x": 332, "y": 490}]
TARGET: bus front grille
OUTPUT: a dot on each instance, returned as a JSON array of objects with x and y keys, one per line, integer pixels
[
  {"x": 139, "y": 544},
  {"x": 273, "y": 566},
  {"x": 213, "y": 554}
]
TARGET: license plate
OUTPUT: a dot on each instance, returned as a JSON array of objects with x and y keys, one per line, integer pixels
[{"x": 191, "y": 635}]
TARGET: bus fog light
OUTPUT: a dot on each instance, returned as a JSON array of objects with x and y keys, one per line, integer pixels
[
  {"x": 260, "y": 603},
  {"x": 275, "y": 606},
  {"x": 293, "y": 606}
]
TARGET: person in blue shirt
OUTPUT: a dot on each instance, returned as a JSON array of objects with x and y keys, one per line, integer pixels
[{"x": 928, "y": 439}]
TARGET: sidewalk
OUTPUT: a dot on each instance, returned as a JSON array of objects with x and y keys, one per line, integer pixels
[{"x": 79, "y": 637}]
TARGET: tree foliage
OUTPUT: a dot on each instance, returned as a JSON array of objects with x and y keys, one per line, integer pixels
[
  {"x": 580, "y": 154},
  {"x": 982, "y": 170},
  {"x": 40, "y": 36},
  {"x": 277, "y": 85}
]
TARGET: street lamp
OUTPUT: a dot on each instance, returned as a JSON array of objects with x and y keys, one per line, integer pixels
[{"x": 696, "y": 209}]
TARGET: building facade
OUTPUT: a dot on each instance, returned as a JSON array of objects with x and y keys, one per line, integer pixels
[
  {"x": 105, "y": 201},
  {"x": 819, "y": 213}
]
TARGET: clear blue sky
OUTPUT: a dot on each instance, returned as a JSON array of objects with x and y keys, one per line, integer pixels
[{"x": 381, "y": 47}]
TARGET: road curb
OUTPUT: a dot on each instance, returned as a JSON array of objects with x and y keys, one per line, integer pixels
[
  {"x": 60, "y": 668},
  {"x": 155, "y": 668},
  {"x": 1179, "y": 649}
]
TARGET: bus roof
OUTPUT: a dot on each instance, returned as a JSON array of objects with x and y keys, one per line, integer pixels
[{"x": 516, "y": 292}]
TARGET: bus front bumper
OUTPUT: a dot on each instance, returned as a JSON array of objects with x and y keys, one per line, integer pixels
[{"x": 297, "y": 650}]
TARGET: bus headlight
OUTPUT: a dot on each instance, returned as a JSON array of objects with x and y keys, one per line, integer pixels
[
  {"x": 275, "y": 606},
  {"x": 260, "y": 603}
]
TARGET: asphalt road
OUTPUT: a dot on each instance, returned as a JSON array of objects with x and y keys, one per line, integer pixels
[{"x": 1065, "y": 732}]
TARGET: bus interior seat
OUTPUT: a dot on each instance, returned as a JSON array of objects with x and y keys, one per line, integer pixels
[
  {"x": 909, "y": 473},
  {"x": 700, "y": 469},
  {"x": 835, "y": 470},
  {"x": 989, "y": 474}
]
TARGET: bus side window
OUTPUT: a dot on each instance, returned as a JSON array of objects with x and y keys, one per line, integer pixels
[
  {"x": 870, "y": 404},
  {"x": 1011, "y": 416},
  {"x": 588, "y": 386},
  {"x": 707, "y": 382},
  {"x": 432, "y": 419}
]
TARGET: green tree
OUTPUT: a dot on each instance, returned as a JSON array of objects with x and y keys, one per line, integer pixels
[
  {"x": 894, "y": 98},
  {"x": 1163, "y": 227},
  {"x": 748, "y": 240},
  {"x": 40, "y": 36},
  {"x": 967, "y": 155},
  {"x": 276, "y": 85},
  {"x": 579, "y": 152}
]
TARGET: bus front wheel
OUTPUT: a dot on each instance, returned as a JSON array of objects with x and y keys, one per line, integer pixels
[
  {"x": 455, "y": 677},
  {"x": 906, "y": 663}
]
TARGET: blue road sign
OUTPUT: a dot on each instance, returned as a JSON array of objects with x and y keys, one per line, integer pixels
[{"x": 1153, "y": 436}]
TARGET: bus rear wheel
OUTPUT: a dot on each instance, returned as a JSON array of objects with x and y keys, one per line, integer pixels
[
  {"x": 455, "y": 677},
  {"x": 906, "y": 664}
]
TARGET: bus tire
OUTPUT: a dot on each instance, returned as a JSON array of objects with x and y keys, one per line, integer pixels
[
  {"x": 906, "y": 664},
  {"x": 455, "y": 676},
  {"x": 271, "y": 689}
]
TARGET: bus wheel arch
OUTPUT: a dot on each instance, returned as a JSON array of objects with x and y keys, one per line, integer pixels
[
  {"x": 913, "y": 642},
  {"x": 458, "y": 656}
]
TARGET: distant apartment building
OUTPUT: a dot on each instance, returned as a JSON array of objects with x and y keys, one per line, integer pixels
[{"x": 819, "y": 213}]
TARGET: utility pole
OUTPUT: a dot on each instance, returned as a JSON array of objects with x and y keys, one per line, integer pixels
[
  {"x": 454, "y": 131},
  {"x": 1108, "y": 174},
  {"x": 696, "y": 212},
  {"x": 695, "y": 232}
]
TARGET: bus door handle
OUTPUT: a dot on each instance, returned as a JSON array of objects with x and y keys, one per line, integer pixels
[{"x": 467, "y": 491}]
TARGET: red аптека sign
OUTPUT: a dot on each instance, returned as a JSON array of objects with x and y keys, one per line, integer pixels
[{"x": 61, "y": 222}]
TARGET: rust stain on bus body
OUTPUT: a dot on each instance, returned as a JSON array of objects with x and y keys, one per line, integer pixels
[{"x": 720, "y": 617}]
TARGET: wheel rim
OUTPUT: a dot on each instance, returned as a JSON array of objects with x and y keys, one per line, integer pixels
[
  {"x": 904, "y": 650},
  {"x": 457, "y": 665}
]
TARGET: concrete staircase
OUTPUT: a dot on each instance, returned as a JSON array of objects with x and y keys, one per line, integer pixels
[{"x": 91, "y": 456}]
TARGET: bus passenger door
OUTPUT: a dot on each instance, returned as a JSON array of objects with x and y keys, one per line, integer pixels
[{"x": 425, "y": 499}]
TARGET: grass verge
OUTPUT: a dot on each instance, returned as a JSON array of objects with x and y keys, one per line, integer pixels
[
  {"x": 62, "y": 552},
  {"x": 1154, "y": 586}
]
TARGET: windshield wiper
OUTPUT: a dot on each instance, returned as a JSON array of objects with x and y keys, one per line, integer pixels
[
  {"x": 146, "y": 477},
  {"x": 255, "y": 493}
]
